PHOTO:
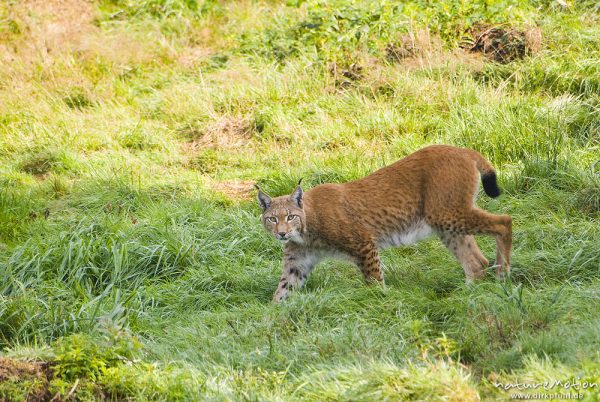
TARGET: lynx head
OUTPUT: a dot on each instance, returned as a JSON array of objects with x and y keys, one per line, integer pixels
[{"x": 283, "y": 216}]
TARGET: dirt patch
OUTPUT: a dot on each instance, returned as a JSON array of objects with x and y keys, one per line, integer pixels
[
  {"x": 503, "y": 44},
  {"x": 225, "y": 133},
  {"x": 499, "y": 43},
  {"x": 31, "y": 379},
  {"x": 345, "y": 76},
  {"x": 399, "y": 50},
  {"x": 39, "y": 165},
  {"x": 236, "y": 189}
]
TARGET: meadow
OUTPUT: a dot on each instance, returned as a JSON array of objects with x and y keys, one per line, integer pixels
[{"x": 133, "y": 265}]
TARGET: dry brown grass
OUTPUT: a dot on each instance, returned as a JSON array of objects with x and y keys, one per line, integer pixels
[
  {"x": 235, "y": 189},
  {"x": 413, "y": 44},
  {"x": 224, "y": 133},
  {"x": 52, "y": 26},
  {"x": 33, "y": 375},
  {"x": 421, "y": 50},
  {"x": 190, "y": 56},
  {"x": 64, "y": 34}
]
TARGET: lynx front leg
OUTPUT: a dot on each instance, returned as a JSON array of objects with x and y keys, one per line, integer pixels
[
  {"x": 297, "y": 264},
  {"x": 368, "y": 261}
]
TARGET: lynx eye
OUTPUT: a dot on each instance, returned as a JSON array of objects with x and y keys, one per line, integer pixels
[
  {"x": 291, "y": 217},
  {"x": 272, "y": 219}
]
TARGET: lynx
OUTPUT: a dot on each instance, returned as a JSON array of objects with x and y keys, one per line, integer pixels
[{"x": 430, "y": 192}]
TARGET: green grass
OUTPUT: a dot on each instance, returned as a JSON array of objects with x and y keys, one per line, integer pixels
[{"x": 129, "y": 260}]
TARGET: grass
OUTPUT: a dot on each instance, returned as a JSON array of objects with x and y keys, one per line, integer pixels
[{"x": 131, "y": 254}]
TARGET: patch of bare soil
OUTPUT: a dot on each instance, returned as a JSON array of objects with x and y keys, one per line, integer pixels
[
  {"x": 34, "y": 375},
  {"x": 345, "y": 76},
  {"x": 225, "y": 133},
  {"x": 236, "y": 189},
  {"x": 503, "y": 44}
]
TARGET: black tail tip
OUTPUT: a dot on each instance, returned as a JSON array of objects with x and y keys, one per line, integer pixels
[{"x": 490, "y": 185}]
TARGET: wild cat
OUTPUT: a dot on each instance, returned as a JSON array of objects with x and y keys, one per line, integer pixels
[{"x": 431, "y": 191}]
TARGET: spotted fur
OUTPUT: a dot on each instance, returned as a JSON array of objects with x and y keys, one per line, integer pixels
[{"x": 431, "y": 191}]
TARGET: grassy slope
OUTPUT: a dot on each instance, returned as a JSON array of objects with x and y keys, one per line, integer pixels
[{"x": 136, "y": 129}]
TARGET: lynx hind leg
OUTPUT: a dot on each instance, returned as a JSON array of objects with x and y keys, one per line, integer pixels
[
  {"x": 499, "y": 226},
  {"x": 468, "y": 254},
  {"x": 297, "y": 264},
  {"x": 368, "y": 261},
  {"x": 478, "y": 221},
  {"x": 472, "y": 245},
  {"x": 504, "y": 246}
]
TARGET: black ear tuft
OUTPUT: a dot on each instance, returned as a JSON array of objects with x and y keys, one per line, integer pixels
[
  {"x": 263, "y": 199},
  {"x": 296, "y": 196}
]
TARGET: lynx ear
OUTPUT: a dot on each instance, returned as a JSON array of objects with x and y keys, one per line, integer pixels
[
  {"x": 296, "y": 196},
  {"x": 263, "y": 199}
]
